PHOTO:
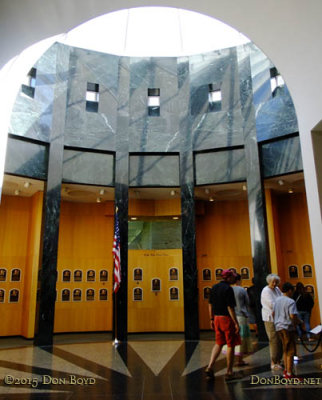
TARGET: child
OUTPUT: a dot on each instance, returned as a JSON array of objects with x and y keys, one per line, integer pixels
[{"x": 285, "y": 321}]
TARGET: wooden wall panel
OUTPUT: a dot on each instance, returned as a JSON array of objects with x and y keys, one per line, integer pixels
[
  {"x": 32, "y": 266},
  {"x": 14, "y": 228},
  {"x": 156, "y": 312},
  {"x": 223, "y": 241},
  {"x": 154, "y": 208},
  {"x": 85, "y": 243}
]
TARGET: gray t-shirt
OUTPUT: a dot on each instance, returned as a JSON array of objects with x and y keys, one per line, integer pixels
[
  {"x": 283, "y": 308},
  {"x": 242, "y": 301}
]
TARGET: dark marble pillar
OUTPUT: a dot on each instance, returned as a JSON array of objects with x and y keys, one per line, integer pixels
[
  {"x": 189, "y": 258},
  {"x": 51, "y": 212},
  {"x": 256, "y": 197},
  {"x": 121, "y": 195}
]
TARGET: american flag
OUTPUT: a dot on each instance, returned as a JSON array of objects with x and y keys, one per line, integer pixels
[{"x": 117, "y": 254}]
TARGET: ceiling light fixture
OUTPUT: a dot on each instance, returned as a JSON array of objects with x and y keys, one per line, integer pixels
[
  {"x": 133, "y": 218},
  {"x": 172, "y": 193},
  {"x": 290, "y": 190},
  {"x": 102, "y": 191},
  {"x": 211, "y": 199},
  {"x": 244, "y": 188},
  {"x": 98, "y": 200},
  {"x": 26, "y": 185},
  {"x": 175, "y": 217},
  {"x": 17, "y": 192},
  {"x": 280, "y": 182},
  {"x": 207, "y": 191}
]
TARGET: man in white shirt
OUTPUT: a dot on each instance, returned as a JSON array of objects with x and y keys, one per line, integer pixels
[{"x": 269, "y": 295}]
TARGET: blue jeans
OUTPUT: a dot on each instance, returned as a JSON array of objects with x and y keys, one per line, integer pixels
[{"x": 305, "y": 317}]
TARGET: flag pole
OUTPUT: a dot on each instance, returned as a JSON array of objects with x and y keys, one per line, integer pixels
[{"x": 116, "y": 265}]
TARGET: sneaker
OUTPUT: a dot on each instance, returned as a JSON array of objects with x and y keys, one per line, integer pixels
[
  {"x": 209, "y": 373},
  {"x": 276, "y": 367},
  {"x": 291, "y": 376}
]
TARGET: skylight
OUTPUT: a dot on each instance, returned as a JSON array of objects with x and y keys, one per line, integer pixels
[{"x": 154, "y": 32}]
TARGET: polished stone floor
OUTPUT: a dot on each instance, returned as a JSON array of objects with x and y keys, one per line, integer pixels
[{"x": 147, "y": 367}]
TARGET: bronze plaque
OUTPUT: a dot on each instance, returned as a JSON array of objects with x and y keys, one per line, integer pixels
[
  {"x": 65, "y": 295},
  {"x": 206, "y": 274},
  {"x": 218, "y": 274},
  {"x": 1, "y": 296},
  {"x": 307, "y": 271},
  {"x": 174, "y": 293},
  {"x": 14, "y": 296},
  {"x": 78, "y": 275},
  {"x": 137, "y": 294},
  {"x": 15, "y": 275},
  {"x": 174, "y": 274},
  {"x": 77, "y": 295},
  {"x": 91, "y": 275},
  {"x": 3, "y": 274},
  {"x": 103, "y": 275},
  {"x": 293, "y": 271},
  {"x": 90, "y": 294},
  {"x": 66, "y": 275},
  {"x": 206, "y": 292},
  {"x": 156, "y": 285},
  {"x": 310, "y": 289},
  {"x": 244, "y": 273},
  {"x": 137, "y": 274},
  {"x": 103, "y": 294}
]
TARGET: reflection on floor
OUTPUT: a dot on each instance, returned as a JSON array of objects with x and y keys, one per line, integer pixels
[{"x": 159, "y": 367}]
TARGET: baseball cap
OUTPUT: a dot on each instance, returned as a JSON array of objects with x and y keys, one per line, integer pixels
[{"x": 227, "y": 273}]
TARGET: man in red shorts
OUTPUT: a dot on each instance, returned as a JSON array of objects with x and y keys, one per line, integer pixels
[{"x": 223, "y": 320}]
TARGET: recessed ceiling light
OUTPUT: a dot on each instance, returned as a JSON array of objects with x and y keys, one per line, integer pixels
[
  {"x": 211, "y": 199},
  {"x": 26, "y": 185},
  {"x": 172, "y": 193},
  {"x": 102, "y": 191},
  {"x": 175, "y": 217},
  {"x": 280, "y": 182},
  {"x": 17, "y": 192},
  {"x": 244, "y": 187},
  {"x": 207, "y": 191},
  {"x": 98, "y": 200},
  {"x": 290, "y": 190},
  {"x": 133, "y": 218}
]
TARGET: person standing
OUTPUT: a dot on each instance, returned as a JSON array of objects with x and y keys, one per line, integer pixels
[
  {"x": 269, "y": 295},
  {"x": 285, "y": 320},
  {"x": 241, "y": 310},
  {"x": 223, "y": 320},
  {"x": 304, "y": 304}
]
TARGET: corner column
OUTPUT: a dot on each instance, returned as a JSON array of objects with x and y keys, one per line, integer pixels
[
  {"x": 189, "y": 258},
  {"x": 121, "y": 195},
  {"x": 51, "y": 210},
  {"x": 255, "y": 191}
]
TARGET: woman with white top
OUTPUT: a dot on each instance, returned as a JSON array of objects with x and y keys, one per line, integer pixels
[{"x": 268, "y": 298}]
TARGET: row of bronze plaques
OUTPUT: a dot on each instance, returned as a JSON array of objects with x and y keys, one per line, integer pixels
[
  {"x": 207, "y": 274},
  {"x": 138, "y": 274},
  {"x": 138, "y": 293},
  {"x": 307, "y": 271},
  {"x": 15, "y": 275}
]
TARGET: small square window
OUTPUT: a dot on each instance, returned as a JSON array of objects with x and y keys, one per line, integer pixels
[
  {"x": 29, "y": 84},
  {"x": 276, "y": 81},
  {"x": 214, "y": 97},
  {"x": 92, "y": 97},
  {"x": 154, "y": 102}
]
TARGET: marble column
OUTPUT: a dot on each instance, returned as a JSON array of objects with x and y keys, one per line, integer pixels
[
  {"x": 189, "y": 258},
  {"x": 52, "y": 197},
  {"x": 256, "y": 197},
  {"x": 121, "y": 195}
]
